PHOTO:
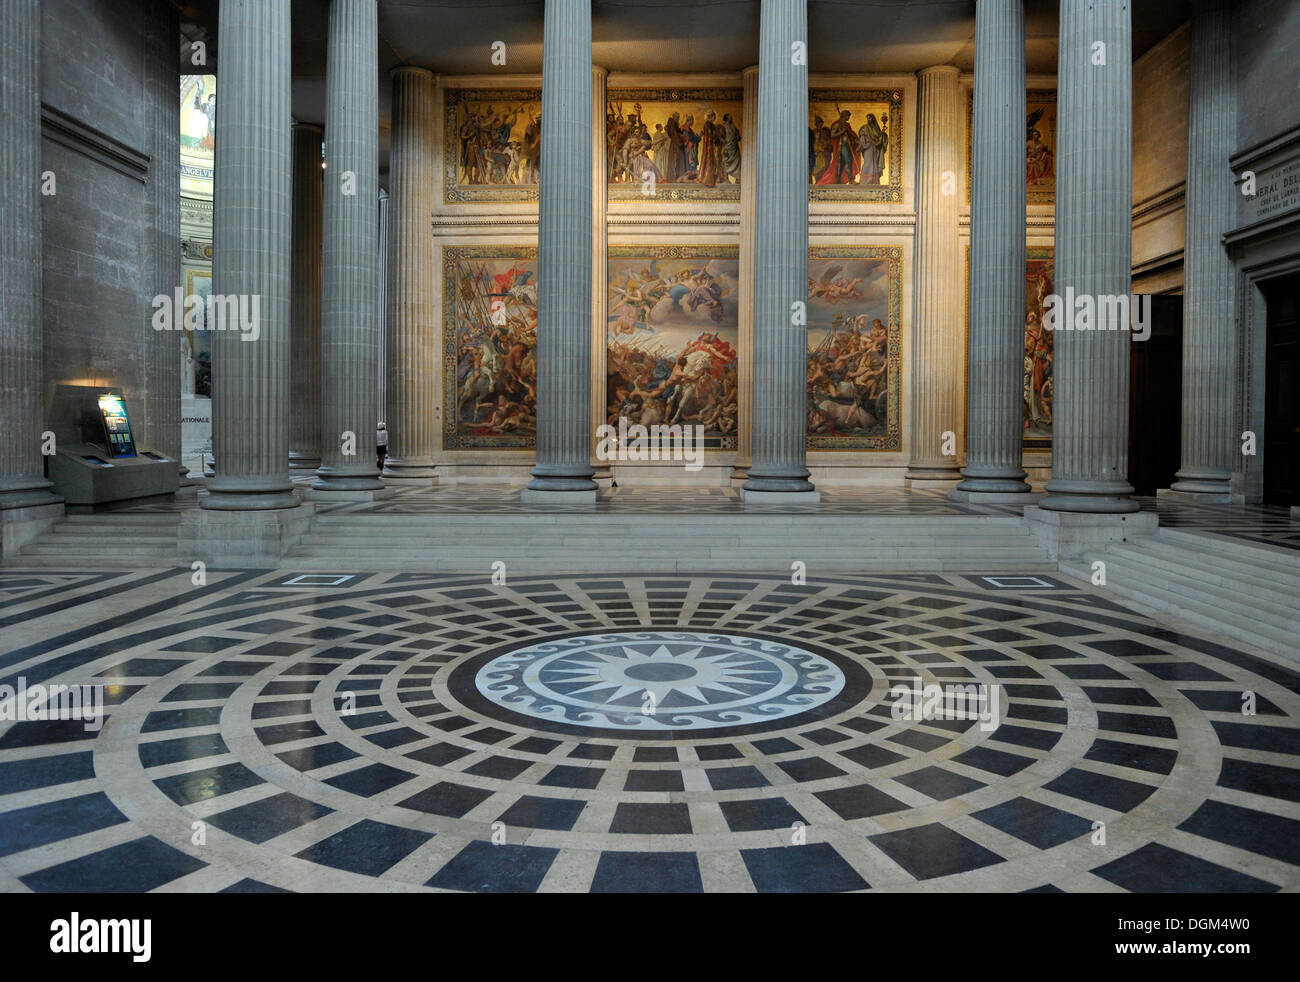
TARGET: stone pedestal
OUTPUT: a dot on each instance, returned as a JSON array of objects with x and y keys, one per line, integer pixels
[
  {"x": 994, "y": 431},
  {"x": 241, "y": 539},
  {"x": 780, "y": 282},
  {"x": 1069, "y": 534},
  {"x": 564, "y": 244}
]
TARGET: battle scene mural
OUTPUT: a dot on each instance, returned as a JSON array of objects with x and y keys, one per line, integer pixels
[
  {"x": 492, "y": 147},
  {"x": 855, "y": 144},
  {"x": 1038, "y": 349},
  {"x": 854, "y": 347},
  {"x": 489, "y": 347},
  {"x": 683, "y": 143},
  {"x": 672, "y": 337}
]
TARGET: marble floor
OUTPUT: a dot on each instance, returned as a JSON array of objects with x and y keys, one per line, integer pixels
[{"x": 278, "y": 730}]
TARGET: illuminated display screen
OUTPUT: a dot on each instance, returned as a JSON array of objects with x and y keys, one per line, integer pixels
[{"x": 117, "y": 426}]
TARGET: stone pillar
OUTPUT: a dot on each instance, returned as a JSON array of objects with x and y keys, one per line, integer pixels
[
  {"x": 780, "y": 419},
  {"x": 563, "y": 472},
  {"x": 305, "y": 306},
  {"x": 27, "y": 505},
  {"x": 250, "y": 270},
  {"x": 1209, "y": 334},
  {"x": 745, "y": 312},
  {"x": 163, "y": 357},
  {"x": 937, "y": 306},
  {"x": 603, "y": 475},
  {"x": 350, "y": 252},
  {"x": 995, "y": 373},
  {"x": 412, "y": 320},
  {"x": 1094, "y": 201},
  {"x": 381, "y": 374}
]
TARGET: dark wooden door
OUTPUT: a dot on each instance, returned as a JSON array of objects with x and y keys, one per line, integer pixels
[
  {"x": 1282, "y": 393},
  {"x": 1155, "y": 399}
]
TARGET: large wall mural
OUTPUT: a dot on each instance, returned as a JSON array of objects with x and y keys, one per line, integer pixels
[
  {"x": 854, "y": 347},
  {"x": 672, "y": 338},
  {"x": 489, "y": 347},
  {"x": 855, "y": 145},
  {"x": 1039, "y": 272},
  {"x": 1040, "y": 146},
  {"x": 688, "y": 140},
  {"x": 492, "y": 146}
]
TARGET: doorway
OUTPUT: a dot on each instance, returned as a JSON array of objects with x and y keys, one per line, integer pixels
[
  {"x": 1156, "y": 398},
  {"x": 1282, "y": 391}
]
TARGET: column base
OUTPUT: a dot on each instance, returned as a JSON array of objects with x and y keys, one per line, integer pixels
[
  {"x": 25, "y": 524},
  {"x": 335, "y": 479},
  {"x": 1090, "y": 497},
  {"x": 572, "y": 498},
  {"x": 1175, "y": 494},
  {"x": 752, "y": 498},
  {"x": 299, "y": 461},
  {"x": 258, "y": 539},
  {"x": 988, "y": 480},
  {"x": 922, "y": 476},
  {"x": 995, "y": 497},
  {"x": 739, "y": 475},
  {"x": 1069, "y": 534},
  {"x": 415, "y": 470},
  {"x": 315, "y": 493}
]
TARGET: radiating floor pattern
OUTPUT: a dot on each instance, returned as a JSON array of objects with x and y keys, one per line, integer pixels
[{"x": 360, "y": 731}]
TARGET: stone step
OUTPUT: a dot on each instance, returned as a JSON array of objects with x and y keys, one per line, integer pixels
[
  {"x": 1251, "y": 553},
  {"x": 1196, "y": 593},
  {"x": 540, "y": 566},
  {"x": 1278, "y": 586}
]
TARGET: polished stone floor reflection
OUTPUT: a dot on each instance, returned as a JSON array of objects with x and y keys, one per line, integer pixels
[{"x": 275, "y": 730}]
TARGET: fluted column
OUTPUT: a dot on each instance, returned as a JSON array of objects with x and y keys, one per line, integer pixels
[
  {"x": 251, "y": 216},
  {"x": 22, "y": 480},
  {"x": 780, "y": 417},
  {"x": 1209, "y": 335},
  {"x": 995, "y": 373},
  {"x": 563, "y": 470},
  {"x": 412, "y": 321},
  {"x": 305, "y": 306},
  {"x": 599, "y": 266},
  {"x": 745, "y": 312},
  {"x": 1094, "y": 200},
  {"x": 350, "y": 252},
  {"x": 163, "y": 355},
  {"x": 381, "y": 373},
  {"x": 937, "y": 306}
]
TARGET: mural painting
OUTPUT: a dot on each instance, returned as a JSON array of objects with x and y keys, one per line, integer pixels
[
  {"x": 1040, "y": 146},
  {"x": 854, "y": 348},
  {"x": 688, "y": 141},
  {"x": 855, "y": 144},
  {"x": 489, "y": 347},
  {"x": 492, "y": 144},
  {"x": 1038, "y": 349},
  {"x": 672, "y": 338}
]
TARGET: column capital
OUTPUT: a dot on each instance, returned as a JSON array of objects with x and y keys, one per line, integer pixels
[
  {"x": 750, "y": 71},
  {"x": 411, "y": 70}
]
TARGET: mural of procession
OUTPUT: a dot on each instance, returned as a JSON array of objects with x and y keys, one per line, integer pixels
[
  {"x": 855, "y": 144},
  {"x": 688, "y": 141},
  {"x": 672, "y": 338},
  {"x": 489, "y": 348},
  {"x": 493, "y": 144},
  {"x": 854, "y": 348}
]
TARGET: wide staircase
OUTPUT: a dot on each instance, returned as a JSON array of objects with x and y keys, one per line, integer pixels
[
  {"x": 592, "y": 543},
  {"x": 105, "y": 540},
  {"x": 1229, "y": 586}
]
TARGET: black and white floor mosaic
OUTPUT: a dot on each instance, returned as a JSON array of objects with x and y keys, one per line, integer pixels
[{"x": 274, "y": 730}]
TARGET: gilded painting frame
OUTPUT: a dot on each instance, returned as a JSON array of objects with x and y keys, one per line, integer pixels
[
  {"x": 685, "y": 101},
  {"x": 890, "y": 193},
  {"x": 458, "y": 100}
]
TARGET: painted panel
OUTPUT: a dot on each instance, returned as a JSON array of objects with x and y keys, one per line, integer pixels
[
  {"x": 492, "y": 145},
  {"x": 1040, "y": 146},
  {"x": 855, "y": 144},
  {"x": 688, "y": 141}
]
